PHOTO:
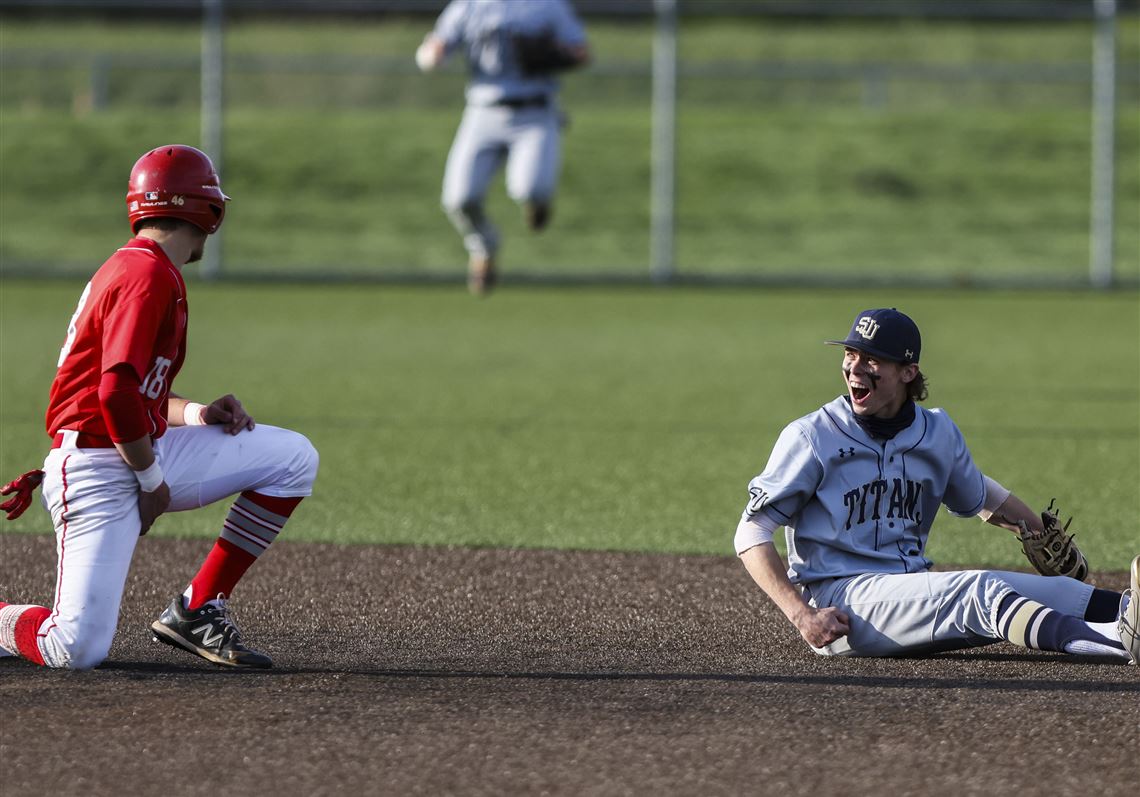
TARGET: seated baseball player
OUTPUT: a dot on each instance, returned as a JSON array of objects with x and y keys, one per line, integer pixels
[
  {"x": 125, "y": 448},
  {"x": 856, "y": 485}
]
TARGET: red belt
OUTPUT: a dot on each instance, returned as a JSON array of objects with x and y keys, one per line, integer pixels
[{"x": 83, "y": 440}]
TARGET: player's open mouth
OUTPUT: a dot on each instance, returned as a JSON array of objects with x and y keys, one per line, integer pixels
[{"x": 859, "y": 392}]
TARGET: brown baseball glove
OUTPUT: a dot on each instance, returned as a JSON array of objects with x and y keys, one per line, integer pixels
[{"x": 1052, "y": 552}]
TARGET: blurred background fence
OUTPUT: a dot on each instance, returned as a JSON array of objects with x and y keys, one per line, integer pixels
[{"x": 841, "y": 142}]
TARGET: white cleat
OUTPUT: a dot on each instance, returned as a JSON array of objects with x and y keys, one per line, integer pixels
[{"x": 1129, "y": 623}]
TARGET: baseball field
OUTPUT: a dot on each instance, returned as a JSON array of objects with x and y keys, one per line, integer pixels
[{"x": 515, "y": 575}]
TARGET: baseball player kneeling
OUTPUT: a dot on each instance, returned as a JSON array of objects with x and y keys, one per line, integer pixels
[
  {"x": 125, "y": 448},
  {"x": 856, "y": 485}
]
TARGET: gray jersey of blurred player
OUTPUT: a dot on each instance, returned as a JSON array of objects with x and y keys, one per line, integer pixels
[{"x": 510, "y": 116}]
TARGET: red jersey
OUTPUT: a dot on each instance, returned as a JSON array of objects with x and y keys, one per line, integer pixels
[{"x": 133, "y": 311}]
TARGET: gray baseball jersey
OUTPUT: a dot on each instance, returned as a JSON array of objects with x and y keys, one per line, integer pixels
[
  {"x": 485, "y": 28},
  {"x": 852, "y": 504}
]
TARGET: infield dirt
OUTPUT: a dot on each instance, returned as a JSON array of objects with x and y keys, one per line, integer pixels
[{"x": 403, "y": 670}]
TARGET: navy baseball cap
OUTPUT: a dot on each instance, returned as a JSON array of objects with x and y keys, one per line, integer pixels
[{"x": 884, "y": 333}]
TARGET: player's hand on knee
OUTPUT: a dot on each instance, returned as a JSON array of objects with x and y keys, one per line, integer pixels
[
  {"x": 151, "y": 505},
  {"x": 229, "y": 413},
  {"x": 821, "y": 627}
]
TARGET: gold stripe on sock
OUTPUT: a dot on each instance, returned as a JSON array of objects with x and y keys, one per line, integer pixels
[{"x": 1019, "y": 624}]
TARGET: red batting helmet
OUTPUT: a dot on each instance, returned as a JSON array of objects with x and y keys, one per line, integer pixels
[{"x": 177, "y": 182}]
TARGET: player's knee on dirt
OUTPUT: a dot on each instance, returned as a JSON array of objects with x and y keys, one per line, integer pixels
[{"x": 81, "y": 646}]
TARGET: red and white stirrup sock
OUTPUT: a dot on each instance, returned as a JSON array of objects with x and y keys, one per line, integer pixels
[
  {"x": 253, "y": 523},
  {"x": 18, "y": 627}
]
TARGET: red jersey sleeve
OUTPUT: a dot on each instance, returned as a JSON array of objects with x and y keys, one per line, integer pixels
[{"x": 123, "y": 410}]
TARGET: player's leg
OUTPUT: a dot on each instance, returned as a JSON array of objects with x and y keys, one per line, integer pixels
[
  {"x": 1055, "y": 613},
  {"x": 476, "y": 154},
  {"x": 894, "y": 614},
  {"x": 534, "y": 163},
  {"x": 1065, "y": 595},
  {"x": 923, "y": 612},
  {"x": 92, "y": 497},
  {"x": 269, "y": 470}
]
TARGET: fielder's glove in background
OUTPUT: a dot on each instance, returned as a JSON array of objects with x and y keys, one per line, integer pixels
[
  {"x": 1052, "y": 552},
  {"x": 540, "y": 54},
  {"x": 23, "y": 488}
]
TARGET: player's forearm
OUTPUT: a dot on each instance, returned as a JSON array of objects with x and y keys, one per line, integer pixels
[
  {"x": 139, "y": 454},
  {"x": 1004, "y": 509},
  {"x": 766, "y": 567},
  {"x": 175, "y": 408},
  {"x": 1012, "y": 512},
  {"x": 184, "y": 412}
]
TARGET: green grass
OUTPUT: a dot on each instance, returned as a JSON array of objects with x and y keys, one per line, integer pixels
[
  {"x": 825, "y": 190},
  {"x": 339, "y": 172},
  {"x": 595, "y": 419},
  {"x": 701, "y": 39},
  {"x": 615, "y": 419}
]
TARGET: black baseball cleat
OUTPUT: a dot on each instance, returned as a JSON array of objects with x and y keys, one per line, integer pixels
[
  {"x": 537, "y": 215},
  {"x": 208, "y": 632}
]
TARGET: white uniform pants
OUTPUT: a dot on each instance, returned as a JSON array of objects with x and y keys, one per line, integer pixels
[
  {"x": 92, "y": 496},
  {"x": 528, "y": 139},
  {"x": 898, "y": 614}
]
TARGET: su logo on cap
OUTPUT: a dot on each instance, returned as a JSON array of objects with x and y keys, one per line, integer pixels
[{"x": 867, "y": 327}]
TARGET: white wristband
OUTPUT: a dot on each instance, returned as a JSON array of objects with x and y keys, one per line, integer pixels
[
  {"x": 194, "y": 414},
  {"x": 151, "y": 478}
]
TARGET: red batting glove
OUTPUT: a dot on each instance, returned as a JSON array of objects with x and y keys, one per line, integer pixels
[{"x": 23, "y": 488}]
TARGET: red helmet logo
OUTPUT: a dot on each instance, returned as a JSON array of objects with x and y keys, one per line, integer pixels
[{"x": 176, "y": 182}]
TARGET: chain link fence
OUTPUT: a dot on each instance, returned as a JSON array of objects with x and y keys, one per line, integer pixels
[{"x": 853, "y": 151}]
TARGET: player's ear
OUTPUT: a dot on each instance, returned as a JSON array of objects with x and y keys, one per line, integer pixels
[{"x": 909, "y": 372}]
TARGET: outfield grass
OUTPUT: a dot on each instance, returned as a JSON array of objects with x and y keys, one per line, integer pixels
[
  {"x": 700, "y": 39},
  {"x": 615, "y": 419},
  {"x": 340, "y": 172},
  {"x": 780, "y": 191}
]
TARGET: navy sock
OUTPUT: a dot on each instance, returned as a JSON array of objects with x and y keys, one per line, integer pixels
[
  {"x": 1103, "y": 606},
  {"x": 1032, "y": 625}
]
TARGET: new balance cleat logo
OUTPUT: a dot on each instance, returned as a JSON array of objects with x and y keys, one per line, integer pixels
[{"x": 207, "y": 639}]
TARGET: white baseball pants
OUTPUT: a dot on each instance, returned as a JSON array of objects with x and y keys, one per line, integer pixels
[{"x": 92, "y": 496}]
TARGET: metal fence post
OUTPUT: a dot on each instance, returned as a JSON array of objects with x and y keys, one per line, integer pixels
[
  {"x": 213, "y": 73},
  {"x": 876, "y": 91},
  {"x": 663, "y": 154},
  {"x": 1101, "y": 230},
  {"x": 100, "y": 82}
]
